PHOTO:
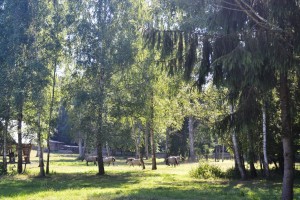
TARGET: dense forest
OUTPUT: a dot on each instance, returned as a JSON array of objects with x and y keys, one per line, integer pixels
[{"x": 149, "y": 76}]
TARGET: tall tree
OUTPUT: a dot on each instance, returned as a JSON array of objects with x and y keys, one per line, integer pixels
[
  {"x": 21, "y": 20},
  {"x": 281, "y": 18},
  {"x": 6, "y": 85},
  {"x": 100, "y": 47},
  {"x": 244, "y": 27},
  {"x": 55, "y": 42}
]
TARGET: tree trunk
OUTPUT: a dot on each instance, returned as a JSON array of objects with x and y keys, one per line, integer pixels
[
  {"x": 50, "y": 117},
  {"x": 5, "y": 145},
  {"x": 38, "y": 151},
  {"x": 100, "y": 160},
  {"x": 141, "y": 158},
  {"x": 223, "y": 148},
  {"x": 147, "y": 141},
  {"x": 20, "y": 157},
  {"x": 153, "y": 148},
  {"x": 265, "y": 158},
  {"x": 288, "y": 174},
  {"x": 40, "y": 148},
  {"x": 167, "y": 141},
  {"x": 142, "y": 161},
  {"x": 219, "y": 152},
  {"x": 136, "y": 137},
  {"x": 84, "y": 147},
  {"x": 236, "y": 148},
  {"x": 100, "y": 133},
  {"x": 48, "y": 155},
  {"x": 107, "y": 149},
  {"x": 99, "y": 151},
  {"x": 216, "y": 152},
  {"x": 251, "y": 155},
  {"x": 191, "y": 139},
  {"x": 261, "y": 163},
  {"x": 99, "y": 138},
  {"x": 80, "y": 148}
]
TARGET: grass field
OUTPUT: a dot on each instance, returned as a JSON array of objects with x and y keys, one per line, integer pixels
[{"x": 72, "y": 180}]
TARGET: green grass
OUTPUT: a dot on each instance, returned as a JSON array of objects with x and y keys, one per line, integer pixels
[{"x": 72, "y": 180}]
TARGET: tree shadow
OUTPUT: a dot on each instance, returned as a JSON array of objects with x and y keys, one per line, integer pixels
[
  {"x": 166, "y": 188},
  {"x": 213, "y": 191},
  {"x": 11, "y": 187}
]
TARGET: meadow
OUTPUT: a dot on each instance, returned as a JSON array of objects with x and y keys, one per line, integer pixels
[{"x": 71, "y": 179}]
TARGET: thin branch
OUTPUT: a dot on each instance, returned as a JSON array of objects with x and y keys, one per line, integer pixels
[
  {"x": 255, "y": 16},
  {"x": 228, "y": 8}
]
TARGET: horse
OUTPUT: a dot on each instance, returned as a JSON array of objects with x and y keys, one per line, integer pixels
[
  {"x": 179, "y": 159},
  {"x": 90, "y": 159},
  {"x": 133, "y": 161},
  {"x": 109, "y": 160},
  {"x": 171, "y": 160}
]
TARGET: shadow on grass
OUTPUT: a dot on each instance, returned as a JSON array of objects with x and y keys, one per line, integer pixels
[
  {"x": 256, "y": 189},
  {"x": 206, "y": 191},
  {"x": 167, "y": 187},
  {"x": 12, "y": 187}
]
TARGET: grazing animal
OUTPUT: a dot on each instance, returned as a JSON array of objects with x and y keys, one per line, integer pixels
[
  {"x": 179, "y": 159},
  {"x": 171, "y": 160},
  {"x": 90, "y": 159},
  {"x": 129, "y": 159},
  {"x": 109, "y": 160},
  {"x": 133, "y": 161}
]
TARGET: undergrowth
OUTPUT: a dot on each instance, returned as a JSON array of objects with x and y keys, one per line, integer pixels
[{"x": 207, "y": 171}]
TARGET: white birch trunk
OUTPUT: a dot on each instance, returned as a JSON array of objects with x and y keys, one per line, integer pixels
[
  {"x": 147, "y": 141},
  {"x": 107, "y": 149},
  {"x": 265, "y": 163},
  {"x": 236, "y": 148},
  {"x": 40, "y": 149}
]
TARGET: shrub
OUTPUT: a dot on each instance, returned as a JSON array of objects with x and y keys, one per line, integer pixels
[
  {"x": 206, "y": 171},
  {"x": 232, "y": 173}
]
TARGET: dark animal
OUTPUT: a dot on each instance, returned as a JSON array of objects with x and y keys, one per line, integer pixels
[{"x": 171, "y": 160}]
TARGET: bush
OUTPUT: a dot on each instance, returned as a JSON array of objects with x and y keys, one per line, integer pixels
[
  {"x": 232, "y": 173},
  {"x": 206, "y": 171}
]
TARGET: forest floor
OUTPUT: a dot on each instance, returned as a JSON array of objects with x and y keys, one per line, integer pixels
[{"x": 71, "y": 179}]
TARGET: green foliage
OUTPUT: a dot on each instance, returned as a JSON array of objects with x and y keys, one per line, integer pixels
[
  {"x": 232, "y": 173},
  {"x": 206, "y": 171}
]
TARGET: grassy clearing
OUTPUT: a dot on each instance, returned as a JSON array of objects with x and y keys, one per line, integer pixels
[{"x": 71, "y": 179}]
